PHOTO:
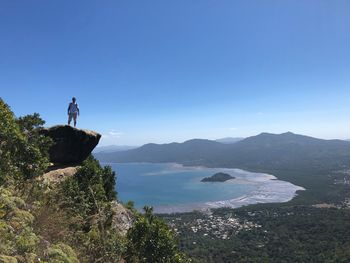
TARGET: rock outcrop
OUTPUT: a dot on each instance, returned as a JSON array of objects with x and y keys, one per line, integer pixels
[
  {"x": 70, "y": 145},
  {"x": 59, "y": 174},
  {"x": 123, "y": 218}
]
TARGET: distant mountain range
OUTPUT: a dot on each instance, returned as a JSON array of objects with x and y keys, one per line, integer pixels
[
  {"x": 113, "y": 148},
  {"x": 119, "y": 148},
  {"x": 272, "y": 151},
  {"x": 229, "y": 140}
]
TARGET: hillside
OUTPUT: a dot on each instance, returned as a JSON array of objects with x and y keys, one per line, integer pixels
[
  {"x": 113, "y": 148},
  {"x": 285, "y": 150},
  {"x": 229, "y": 140},
  {"x": 262, "y": 151},
  {"x": 192, "y": 151},
  {"x": 57, "y": 204}
]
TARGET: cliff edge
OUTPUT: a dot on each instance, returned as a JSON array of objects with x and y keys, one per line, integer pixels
[{"x": 70, "y": 145}]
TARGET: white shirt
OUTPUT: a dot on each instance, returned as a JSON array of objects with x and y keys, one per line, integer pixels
[{"x": 73, "y": 107}]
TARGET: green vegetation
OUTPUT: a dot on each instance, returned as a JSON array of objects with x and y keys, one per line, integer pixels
[
  {"x": 70, "y": 221},
  {"x": 87, "y": 214},
  {"x": 151, "y": 241},
  {"x": 19, "y": 240},
  {"x": 272, "y": 151},
  {"x": 74, "y": 220},
  {"x": 23, "y": 152},
  {"x": 313, "y": 227},
  {"x": 218, "y": 177},
  {"x": 287, "y": 234},
  {"x": 295, "y": 231}
]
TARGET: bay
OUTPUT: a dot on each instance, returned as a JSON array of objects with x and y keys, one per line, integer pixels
[{"x": 170, "y": 187}]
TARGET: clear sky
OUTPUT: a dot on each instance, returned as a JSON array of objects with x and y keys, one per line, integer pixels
[{"x": 163, "y": 71}]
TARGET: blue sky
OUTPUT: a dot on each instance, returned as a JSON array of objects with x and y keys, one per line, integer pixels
[{"x": 162, "y": 71}]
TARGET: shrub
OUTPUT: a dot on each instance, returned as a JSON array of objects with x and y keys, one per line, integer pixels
[
  {"x": 23, "y": 152},
  {"x": 62, "y": 253},
  {"x": 86, "y": 197},
  {"x": 7, "y": 259},
  {"x": 151, "y": 240}
]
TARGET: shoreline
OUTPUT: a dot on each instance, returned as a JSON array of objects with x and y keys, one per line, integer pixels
[
  {"x": 256, "y": 197},
  {"x": 270, "y": 190}
]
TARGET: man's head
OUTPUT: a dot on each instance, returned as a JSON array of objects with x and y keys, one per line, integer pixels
[{"x": 74, "y": 99}]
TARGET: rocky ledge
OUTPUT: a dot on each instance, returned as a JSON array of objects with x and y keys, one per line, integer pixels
[
  {"x": 70, "y": 145},
  {"x": 57, "y": 175}
]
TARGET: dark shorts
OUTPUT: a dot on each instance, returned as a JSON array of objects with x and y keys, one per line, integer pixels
[{"x": 72, "y": 115}]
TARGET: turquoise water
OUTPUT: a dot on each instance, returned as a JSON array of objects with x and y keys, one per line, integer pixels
[{"x": 173, "y": 185}]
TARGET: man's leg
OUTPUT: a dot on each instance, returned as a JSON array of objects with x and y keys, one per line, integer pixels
[
  {"x": 69, "y": 118},
  {"x": 75, "y": 119}
]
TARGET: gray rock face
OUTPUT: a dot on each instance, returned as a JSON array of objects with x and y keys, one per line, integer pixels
[
  {"x": 123, "y": 219},
  {"x": 59, "y": 174},
  {"x": 71, "y": 145}
]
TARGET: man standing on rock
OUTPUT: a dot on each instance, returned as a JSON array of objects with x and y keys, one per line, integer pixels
[{"x": 73, "y": 111}]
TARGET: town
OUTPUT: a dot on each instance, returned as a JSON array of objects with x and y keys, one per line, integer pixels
[{"x": 213, "y": 226}]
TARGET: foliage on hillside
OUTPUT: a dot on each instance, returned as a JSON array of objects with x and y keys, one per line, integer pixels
[
  {"x": 151, "y": 241},
  {"x": 273, "y": 151},
  {"x": 85, "y": 200},
  {"x": 287, "y": 234},
  {"x": 23, "y": 152},
  {"x": 18, "y": 240},
  {"x": 70, "y": 221}
]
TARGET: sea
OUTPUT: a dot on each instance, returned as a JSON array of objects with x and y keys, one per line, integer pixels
[{"x": 171, "y": 187}]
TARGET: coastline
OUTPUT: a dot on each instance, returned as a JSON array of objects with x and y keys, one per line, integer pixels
[
  {"x": 264, "y": 194},
  {"x": 269, "y": 189}
]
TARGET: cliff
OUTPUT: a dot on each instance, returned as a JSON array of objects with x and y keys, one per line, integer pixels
[{"x": 70, "y": 145}]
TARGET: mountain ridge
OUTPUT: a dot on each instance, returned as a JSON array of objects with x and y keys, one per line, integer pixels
[
  {"x": 262, "y": 150},
  {"x": 113, "y": 148},
  {"x": 229, "y": 140}
]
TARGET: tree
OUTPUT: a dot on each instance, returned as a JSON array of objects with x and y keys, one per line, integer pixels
[
  {"x": 87, "y": 197},
  {"x": 23, "y": 152},
  {"x": 151, "y": 240}
]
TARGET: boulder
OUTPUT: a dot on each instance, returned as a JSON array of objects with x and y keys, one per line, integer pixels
[
  {"x": 70, "y": 145},
  {"x": 57, "y": 175},
  {"x": 123, "y": 219}
]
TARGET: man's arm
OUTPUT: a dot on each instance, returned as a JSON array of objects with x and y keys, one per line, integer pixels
[
  {"x": 68, "y": 109},
  {"x": 78, "y": 110}
]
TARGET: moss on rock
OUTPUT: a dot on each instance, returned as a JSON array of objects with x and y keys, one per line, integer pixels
[
  {"x": 7, "y": 259},
  {"x": 62, "y": 253}
]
